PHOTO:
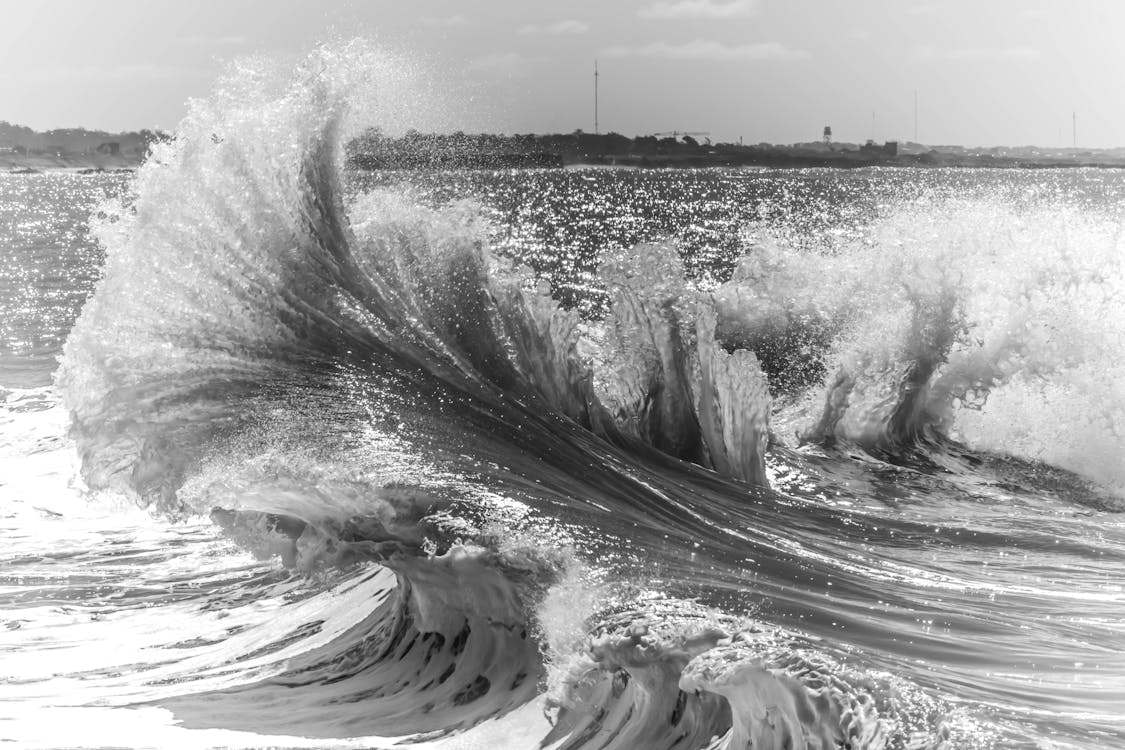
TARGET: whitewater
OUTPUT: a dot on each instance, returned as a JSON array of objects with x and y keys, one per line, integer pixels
[{"x": 293, "y": 455}]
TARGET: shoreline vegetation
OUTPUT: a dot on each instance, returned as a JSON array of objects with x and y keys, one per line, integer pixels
[
  {"x": 373, "y": 150},
  {"x": 23, "y": 150}
]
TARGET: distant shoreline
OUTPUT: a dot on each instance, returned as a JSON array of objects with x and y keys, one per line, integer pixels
[
  {"x": 77, "y": 166},
  {"x": 24, "y": 151},
  {"x": 375, "y": 151},
  {"x": 797, "y": 161},
  {"x": 72, "y": 149},
  {"x": 623, "y": 162}
]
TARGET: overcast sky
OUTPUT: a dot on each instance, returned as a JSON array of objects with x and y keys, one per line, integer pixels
[{"x": 986, "y": 72}]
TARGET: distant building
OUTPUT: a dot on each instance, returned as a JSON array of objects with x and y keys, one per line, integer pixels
[
  {"x": 827, "y": 133},
  {"x": 889, "y": 149},
  {"x": 111, "y": 148}
]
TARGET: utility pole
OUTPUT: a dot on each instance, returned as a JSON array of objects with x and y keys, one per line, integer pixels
[
  {"x": 915, "y": 115},
  {"x": 595, "y": 96}
]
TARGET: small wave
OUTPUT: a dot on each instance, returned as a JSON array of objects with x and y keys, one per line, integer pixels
[
  {"x": 671, "y": 674},
  {"x": 444, "y": 645}
]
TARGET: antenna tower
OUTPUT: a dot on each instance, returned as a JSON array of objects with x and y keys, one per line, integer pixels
[
  {"x": 595, "y": 96},
  {"x": 915, "y": 115}
]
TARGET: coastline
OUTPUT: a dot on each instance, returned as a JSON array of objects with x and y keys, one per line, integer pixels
[
  {"x": 780, "y": 159},
  {"x": 79, "y": 163},
  {"x": 763, "y": 156},
  {"x": 374, "y": 150}
]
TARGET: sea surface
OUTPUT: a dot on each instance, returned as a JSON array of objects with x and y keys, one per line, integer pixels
[{"x": 292, "y": 456}]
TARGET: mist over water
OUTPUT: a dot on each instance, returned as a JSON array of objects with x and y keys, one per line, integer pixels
[{"x": 559, "y": 458}]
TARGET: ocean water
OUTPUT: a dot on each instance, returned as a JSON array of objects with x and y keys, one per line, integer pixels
[{"x": 292, "y": 456}]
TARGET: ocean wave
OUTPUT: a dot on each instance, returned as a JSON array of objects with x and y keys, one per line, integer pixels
[
  {"x": 935, "y": 316},
  {"x": 668, "y": 673},
  {"x": 356, "y": 383}
]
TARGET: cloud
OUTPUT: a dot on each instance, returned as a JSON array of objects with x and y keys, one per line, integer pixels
[
  {"x": 928, "y": 52},
  {"x": 562, "y": 27},
  {"x": 212, "y": 41},
  {"x": 447, "y": 22},
  {"x": 510, "y": 64},
  {"x": 697, "y": 9},
  {"x": 710, "y": 50}
]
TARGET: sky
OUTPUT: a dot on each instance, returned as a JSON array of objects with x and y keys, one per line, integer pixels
[{"x": 983, "y": 72}]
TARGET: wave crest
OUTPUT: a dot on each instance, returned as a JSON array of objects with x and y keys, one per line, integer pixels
[{"x": 674, "y": 675}]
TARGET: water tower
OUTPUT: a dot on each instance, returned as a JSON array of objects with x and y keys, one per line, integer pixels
[{"x": 827, "y": 133}]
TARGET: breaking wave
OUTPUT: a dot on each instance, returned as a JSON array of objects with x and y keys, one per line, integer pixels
[{"x": 352, "y": 381}]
